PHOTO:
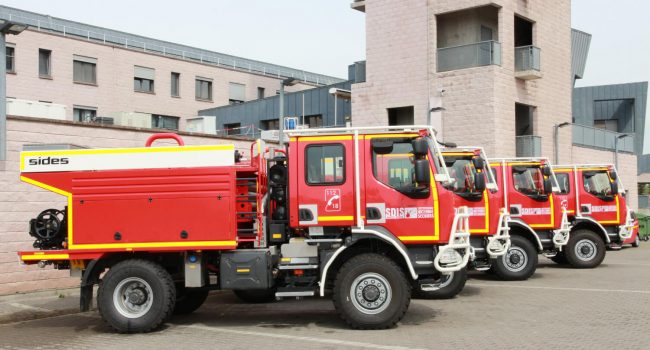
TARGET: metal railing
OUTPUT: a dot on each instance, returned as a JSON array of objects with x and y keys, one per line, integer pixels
[
  {"x": 600, "y": 138},
  {"x": 479, "y": 54},
  {"x": 529, "y": 146},
  {"x": 527, "y": 58},
  {"x": 95, "y": 34}
]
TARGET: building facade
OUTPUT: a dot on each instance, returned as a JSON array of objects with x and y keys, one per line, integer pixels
[{"x": 74, "y": 71}]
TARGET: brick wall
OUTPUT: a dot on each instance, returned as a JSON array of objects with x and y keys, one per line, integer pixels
[{"x": 19, "y": 202}]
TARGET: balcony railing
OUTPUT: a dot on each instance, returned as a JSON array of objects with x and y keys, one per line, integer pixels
[
  {"x": 529, "y": 146},
  {"x": 600, "y": 138},
  {"x": 528, "y": 62},
  {"x": 479, "y": 54}
]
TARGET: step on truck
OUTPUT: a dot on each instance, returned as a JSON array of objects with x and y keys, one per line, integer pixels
[
  {"x": 594, "y": 199},
  {"x": 538, "y": 223},
  {"x": 156, "y": 228}
]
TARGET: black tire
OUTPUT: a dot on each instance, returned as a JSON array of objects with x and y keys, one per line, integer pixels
[
  {"x": 449, "y": 286},
  {"x": 256, "y": 296},
  {"x": 560, "y": 258},
  {"x": 519, "y": 263},
  {"x": 585, "y": 249},
  {"x": 637, "y": 242},
  {"x": 189, "y": 300},
  {"x": 143, "y": 280},
  {"x": 386, "y": 292}
]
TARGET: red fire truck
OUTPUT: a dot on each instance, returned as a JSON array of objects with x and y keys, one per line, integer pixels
[
  {"x": 593, "y": 196},
  {"x": 538, "y": 223},
  {"x": 157, "y": 227},
  {"x": 470, "y": 187}
]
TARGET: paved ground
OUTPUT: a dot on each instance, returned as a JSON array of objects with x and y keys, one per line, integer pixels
[{"x": 605, "y": 308}]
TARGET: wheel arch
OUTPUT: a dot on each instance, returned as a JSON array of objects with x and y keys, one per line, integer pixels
[
  {"x": 590, "y": 224},
  {"x": 520, "y": 228}
]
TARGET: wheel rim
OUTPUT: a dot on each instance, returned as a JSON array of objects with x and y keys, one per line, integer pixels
[
  {"x": 370, "y": 293},
  {"x": 585, "y": 249},
  {"x": 133, "y": 297},
  {"x": 515, "y": 259}
]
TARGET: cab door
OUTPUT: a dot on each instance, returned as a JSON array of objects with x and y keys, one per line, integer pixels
[
  {"x": 597, "y": 198},
  {"x": 393, "y": 199},
  {"x": 325, "y": 178},
  {"x": 527, "y": 197}
]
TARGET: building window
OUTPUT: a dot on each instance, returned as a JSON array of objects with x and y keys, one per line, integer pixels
[
  {"x": 204, "y": 89},
  {"x": 232, "y": 128},
  {"x": 237, "y": 93},
  {"x": 325, "y": 164},
  {"x": 607, "y": 124},
  {"x": 314, "y": 121},
  {"x": 11, "y": 58},
  {"x": 84, "y": 70},
  {"x": 85, "y": 114},
  {"x": 176, "y": 84},
  {"x": 164, "y": 122},
  {"x": 260, "y": 93},
  {"x": 271, "y": 124},
  {"x": 401, "y": 116},
  {"x": 44, "y": 63},
  {"x": 143, "y": 79}
]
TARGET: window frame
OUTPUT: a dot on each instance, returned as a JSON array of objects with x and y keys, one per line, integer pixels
[
  {"x": 535, "y": 196},
  {"x": 306, "y": 165},
  {"x": 210, "y": 90},
  {"x": 568, "y": 183},
  {"x": 94, "y": 65},
  {"x": 142, "y": 80},
  {"x": 49, "y": 64},
  {"x": 175, "y": 77},
  {"x": 13, "y": 58},
  {"x": 604, "y": 196}
]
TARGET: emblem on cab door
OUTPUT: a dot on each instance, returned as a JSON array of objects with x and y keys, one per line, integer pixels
[{"x": 333, "y": 200}]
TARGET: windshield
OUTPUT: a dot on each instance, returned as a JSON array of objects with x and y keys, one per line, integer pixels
[
  {"x": 528, "y": 180},
  {"x": 462, "y": 173},
  {"x": 598, "y": 183}
]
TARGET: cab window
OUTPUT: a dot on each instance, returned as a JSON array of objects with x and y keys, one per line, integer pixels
[
  {"x": 325, "y": 164},
  {"x": 395, "y": 169},
  {"x": 462, "y": 173},
  {"x": 597, "y": 183},
  {"x": 563, "y": 181},
  {"x": 528, "y": 180}
]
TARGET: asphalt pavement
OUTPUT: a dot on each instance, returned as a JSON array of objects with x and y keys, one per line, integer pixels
[{"x": 559, "y": 307}]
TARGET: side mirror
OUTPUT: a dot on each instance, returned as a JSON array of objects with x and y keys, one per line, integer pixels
[
  {"x": 382, "y": 146},
  {"x": 479, "y": 182},
  {"x": 613, "y": 175},
  {"x": 422, "y": 172},
  {"x": 546, "y": 170},
  {"x": 420, "y": 147},
  {"x": 479, "y": 163},
  {"x": 548, "y": 186},
  {"x": 614, "y": 188}
]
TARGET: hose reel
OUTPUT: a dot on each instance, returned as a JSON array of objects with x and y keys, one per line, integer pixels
[{"x": 49, "y": 228}]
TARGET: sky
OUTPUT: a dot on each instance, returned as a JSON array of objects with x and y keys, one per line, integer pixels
[{"x": 325, "y": 36}]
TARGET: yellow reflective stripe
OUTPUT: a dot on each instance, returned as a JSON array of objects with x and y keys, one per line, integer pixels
[
  {"x": 368, "y": 137},
  {"x": 243, "y": 270},
  {"x": 335, "y": 218},
  {"x": 324, "y": 138},
  {"x": 41, "y": 256},
  {"x": 457, "y": 153},
  {"x": 155, "y": 245},
  {"x": 128, "y": 150},
  {"x": 487, "y": 216}
]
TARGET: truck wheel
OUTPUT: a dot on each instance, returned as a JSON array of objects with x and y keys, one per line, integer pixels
[
  {"x": 256, "y": 296},
  {"x": 637, "y": 242},
  {"x": 448, "y": 286},
  {"x": 189, "y": 300},
  {"x": 585, "y": 249},
  {"x": 519, "y": 263},
  {"x": 371, "y": 292},
  {"x": 136, "y": 296},
  {"x": 559, "y": 258}
]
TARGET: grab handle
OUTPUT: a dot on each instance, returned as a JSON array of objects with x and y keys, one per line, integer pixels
[{"x": 164, "y": 135}]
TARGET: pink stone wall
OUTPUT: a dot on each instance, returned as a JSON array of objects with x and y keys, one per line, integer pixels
[
  {"x": 114, "y": 90},
  {"x": 19, "y": 202}
]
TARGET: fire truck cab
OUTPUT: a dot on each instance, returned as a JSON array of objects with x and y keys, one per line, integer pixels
[
  {"x": 158, "y": 227},
  {"x": 538, "y": 223},
  {"x": 594, "y": 199}
]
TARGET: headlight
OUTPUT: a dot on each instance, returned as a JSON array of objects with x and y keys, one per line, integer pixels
[{"x": 450, "y": 256}]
